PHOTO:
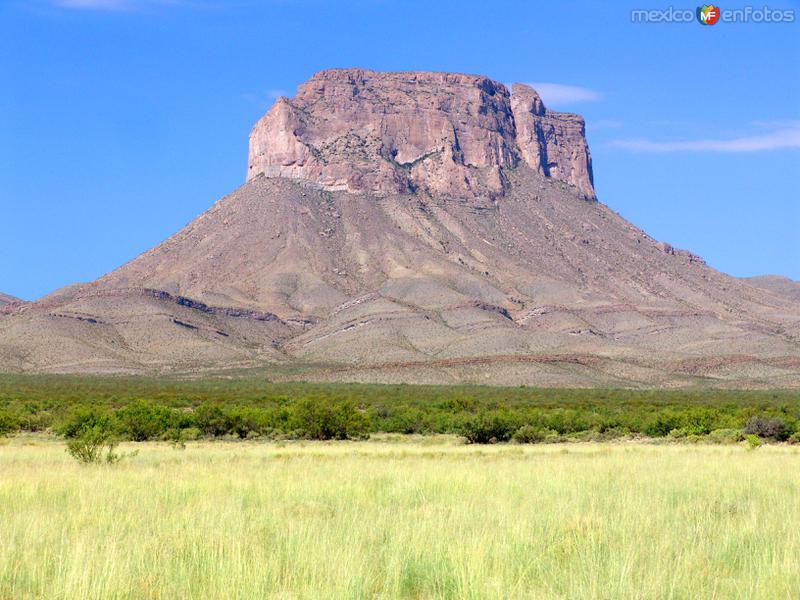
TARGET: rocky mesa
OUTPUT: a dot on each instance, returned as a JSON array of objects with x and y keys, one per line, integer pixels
[
  {"x": 442, "y": 134},
  {"x": 416, "y": 227}
]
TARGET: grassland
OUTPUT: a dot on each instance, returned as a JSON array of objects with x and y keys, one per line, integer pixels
[{"x": 400, "y": 517}]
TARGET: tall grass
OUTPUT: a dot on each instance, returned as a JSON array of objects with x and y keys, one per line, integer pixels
[{"x": 394, "y": 519}]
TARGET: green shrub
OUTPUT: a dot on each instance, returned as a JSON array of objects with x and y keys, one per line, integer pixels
[
  {"x": 211, "y": 420},
  {"x": 753, "y": 441},
  {"x": 489, "y": 427},
  {"x": 528, "y": 434},
  {"x": 175, "y": 438},
  {"x": 84, "y": 419},
  {"x": 87, "y": 446},
  {"x": 191, "y": 434},
  {"x": 318, "y": 419},
  {"x": 141, "y": 421},
  {"x": 34, "y": 417},
  {"x": 663, "y": 422},
  {"x": 8, "y": 423},
  {"x": 725, "y": 436}
]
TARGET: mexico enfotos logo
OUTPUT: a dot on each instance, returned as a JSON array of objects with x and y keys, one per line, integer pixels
[{"x": 710, "y": 14}]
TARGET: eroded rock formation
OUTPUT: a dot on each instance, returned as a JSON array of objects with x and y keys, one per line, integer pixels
[
  {"x": 553, "y": 143},
  {"x": 441, "y": 133}
]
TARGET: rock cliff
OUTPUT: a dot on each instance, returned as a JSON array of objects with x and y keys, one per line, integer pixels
[
  {"x": 553, "y": 143},
  {"x": 443, "y": 134}
]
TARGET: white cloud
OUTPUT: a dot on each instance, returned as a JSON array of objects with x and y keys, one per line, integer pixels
[
  {"x": 92, "y": 4},
  {"x": 788, "y": 136},
  {"x": 113, "y": 5},
  {"x": 559, "y": 93},
  {"x": 269, "y": 96}
]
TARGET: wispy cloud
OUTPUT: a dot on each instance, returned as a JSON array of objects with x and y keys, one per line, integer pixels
[
  {"x": 114, "y": 5},
  {"x": 559, "y": 93},
  {"x": 787, "y": 135},
  {"x": 269, "y": 95}
]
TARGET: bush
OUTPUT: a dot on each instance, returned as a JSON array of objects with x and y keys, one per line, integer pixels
[
  {"x": 662, "y": 423},
  {"x": 141, "y": 421},
  {"x": 489, "y": 427},
  {"x": 8, "y": 423},
  {"x": 34, "y": 417},
  {"x": 175, "y": 438},
  {"x": 528, "y": 434},
  {"x": 84, "y": 419},
  {"x": 768, "y": 427},
  {"x": 87, "y": 446},
  {"x": 320, "y": 419},
  {"x": 191, "y": 434},
  {"x": 725, "y": 436},
  {"x": 210, "y": 419},
  {"x": 753, "y": 441}
]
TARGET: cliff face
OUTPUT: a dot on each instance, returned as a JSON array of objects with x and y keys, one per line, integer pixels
[
  {"x": 553, "y": 143},
  {"x": 440, "y": 133}
]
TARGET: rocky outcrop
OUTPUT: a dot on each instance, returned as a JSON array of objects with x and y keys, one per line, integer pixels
[
  {"x": 553, "y": 143},
  {"x": 669, "y": 249},
  {"x": 440, "y": 133}
]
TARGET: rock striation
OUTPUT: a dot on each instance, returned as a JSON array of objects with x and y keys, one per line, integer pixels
[
  {"x": 6, "y": 299},
  {"x": 443, "y": 134}
]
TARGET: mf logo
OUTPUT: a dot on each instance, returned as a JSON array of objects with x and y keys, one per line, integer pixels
[{"x": 708, "y": 14}]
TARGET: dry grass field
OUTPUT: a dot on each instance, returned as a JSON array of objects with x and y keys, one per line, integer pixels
[{"x": 400, "y": 517}]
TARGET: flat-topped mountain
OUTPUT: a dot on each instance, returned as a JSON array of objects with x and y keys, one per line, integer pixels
[{"x": 423, "y": 227}]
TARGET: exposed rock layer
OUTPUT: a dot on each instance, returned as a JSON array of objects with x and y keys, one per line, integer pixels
[
  {"x": 442, "y": 133},
  {"x": 6, "y": 299}
]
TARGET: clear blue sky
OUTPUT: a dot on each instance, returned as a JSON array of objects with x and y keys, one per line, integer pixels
[{"x": 121, "y": 120}]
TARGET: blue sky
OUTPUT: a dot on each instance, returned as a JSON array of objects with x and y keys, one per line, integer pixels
[{"x": 121, "y": 120}]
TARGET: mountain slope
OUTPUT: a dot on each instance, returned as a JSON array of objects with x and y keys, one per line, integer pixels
[
  {"x": 6, "y": 299},
  {"x": 350, "y": 280},
  {"x": 776, "y": 284}
]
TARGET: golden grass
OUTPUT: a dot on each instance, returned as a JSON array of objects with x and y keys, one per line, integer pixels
[{"x": 400, "y": 519}]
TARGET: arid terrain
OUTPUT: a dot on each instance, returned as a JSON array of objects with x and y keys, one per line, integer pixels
[
  {"x": 417, "y": 227},
  {"x": 6, "y": 299}
]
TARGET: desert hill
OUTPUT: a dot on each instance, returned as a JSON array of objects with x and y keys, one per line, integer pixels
[
  {"x": 777, "y": 284},
  {"x": 422, "y": 227},
  {"x": 6, "y": 299}
]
